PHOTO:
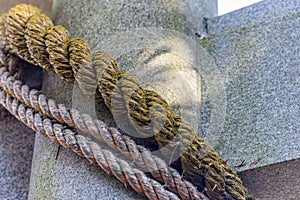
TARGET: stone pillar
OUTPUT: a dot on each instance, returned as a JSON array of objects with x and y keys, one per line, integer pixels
[
  {"x": 256, "y": 50},
  {"x": 16, "y": 140},
  {"x": 153, "y": 40}
]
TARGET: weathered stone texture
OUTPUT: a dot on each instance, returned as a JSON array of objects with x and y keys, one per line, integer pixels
[
  {"x": 110, "y": 26},
  {"x": 16, "y": 140},
  {"x": 259, "y": 61}
]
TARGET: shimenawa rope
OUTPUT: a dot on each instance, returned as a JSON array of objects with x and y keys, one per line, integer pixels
[
  {"x": 26, "y": 32},
  {"x": 83, "y": 146},
  {"x": 96, "y": 128}
]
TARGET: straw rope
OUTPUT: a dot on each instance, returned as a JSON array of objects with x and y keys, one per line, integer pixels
[
  {"x": 83, "y": 146},
  {"x": 99, "y": 130},
  {"x": 26, "y": 32}
]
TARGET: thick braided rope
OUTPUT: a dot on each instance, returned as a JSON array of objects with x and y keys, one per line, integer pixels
[
  {"x": 83, "y": 146},
  {"x": 26, "y": 32},
  {"x": 96, "y": 128}
]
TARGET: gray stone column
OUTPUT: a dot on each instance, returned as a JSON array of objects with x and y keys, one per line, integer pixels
[
  {"x": 142, "y": 35},
  {"x": 257, "y": 50},
  {"x": 16, "y": 140}
]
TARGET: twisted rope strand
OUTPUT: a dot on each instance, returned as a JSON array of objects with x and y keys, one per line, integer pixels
[
  {"x": 24, "y": 29},
  {"x": 98, "y": 129},
  {"x": 83, "y": 146}
]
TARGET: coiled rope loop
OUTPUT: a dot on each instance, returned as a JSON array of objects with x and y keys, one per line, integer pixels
[
  {"x": 26, "y": 32},
  {"x": 98, "y": 129},
  {"x": 83, "y": 146}
]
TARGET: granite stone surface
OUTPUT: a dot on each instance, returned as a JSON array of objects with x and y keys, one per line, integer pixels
[
  {"x": 16, "y": 148},
  {"x": 16, "y": 140},
  {"x": 152, "y": 40},
  {"x": 66, "y": 176},
  {"x": 136, "y": 27},
  {"x": 259, "y": 13},
  {"x": 249, "y": 90},
  {"x": 259, "y": 61}
]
